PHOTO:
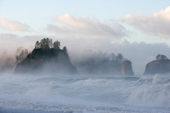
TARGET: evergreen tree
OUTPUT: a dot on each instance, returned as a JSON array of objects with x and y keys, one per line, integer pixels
[
  {"x": 56, "y": 45},
  {"x": 65, "y": 48}
]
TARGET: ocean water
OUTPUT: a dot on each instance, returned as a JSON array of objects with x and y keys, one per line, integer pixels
[{"x": 84, "y": 94}]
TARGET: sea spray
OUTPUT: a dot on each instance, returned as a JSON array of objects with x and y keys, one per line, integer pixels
[
  {"x": 84, "y": 94},
  {"x": 154, "y": 93}
]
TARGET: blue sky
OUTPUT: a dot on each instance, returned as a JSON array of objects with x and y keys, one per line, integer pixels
[
  {"x": 137, "y": 29},
  {"x": 38, "y": 14},
  {"x": 102, "y": 9}
]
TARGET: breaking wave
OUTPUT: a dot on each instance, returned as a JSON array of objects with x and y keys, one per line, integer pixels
[{"x": 77, "y": 94}]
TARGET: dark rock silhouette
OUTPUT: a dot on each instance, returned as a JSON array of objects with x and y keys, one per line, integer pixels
[
  {"x": 48, "y": 58},
  {"x": 46, "y": 61},
  {"x": 158, "y": 66},
  {"x": 93, "y": 63},
  {"x": 126, "y": 69},
  {"x": 161, "y": 57},
  {"x": 99, "y": 67}
]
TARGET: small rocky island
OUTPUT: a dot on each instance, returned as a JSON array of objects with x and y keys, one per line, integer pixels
[
  {"x": 161, "y": 65},
  {"x": 126, "y": 69},
  {"x": 46, "y": 58},
  {"x": 101, "y": 63}
]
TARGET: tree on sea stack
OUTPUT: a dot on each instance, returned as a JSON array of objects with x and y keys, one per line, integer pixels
[
  {"x": 37, "y": 45},
  {"x": 119, "y": 57},
  {"x": 56, "y": 45},
  {"x": 46, "y": 57},
  {"x": 65, "y": 48},
  {"x": 47, "y": 43},
  {"x": 161, "y": 57}
]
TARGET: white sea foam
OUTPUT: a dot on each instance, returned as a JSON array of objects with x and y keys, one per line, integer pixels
[{"x": 30, "y": 93}]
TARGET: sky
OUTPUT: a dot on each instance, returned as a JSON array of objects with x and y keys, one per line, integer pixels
[{"x": 137, "y": 29}]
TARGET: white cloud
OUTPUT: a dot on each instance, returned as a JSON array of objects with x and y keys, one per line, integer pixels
[
  {"x": 157, "y": 24},
  {"x": 139, "y": 53},
  {"x": 60, "y": 29},
  {"x": 86, "y": 26},
  {"x": 13, "y": 25},
  {"x": 118, "y": 41},
  {"x": 11, "y": 42},
  {"x": 7, "y": 36}
]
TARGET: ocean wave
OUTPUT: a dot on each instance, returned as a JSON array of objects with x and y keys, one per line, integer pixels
[{"x": 85, "y": 94}]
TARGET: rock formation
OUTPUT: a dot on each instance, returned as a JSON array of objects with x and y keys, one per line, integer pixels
[
  {"x": 126, "y": 69},
  {"x": 158, "y": 66},
  {"x": 48, "y": 58},
  {"x": 46, "y": 61},
  {"x": 93, "y": 63}
]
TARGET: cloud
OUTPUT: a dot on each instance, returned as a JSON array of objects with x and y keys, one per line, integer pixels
[
  {"x": 10, "y": 42},
  {"x": 86, "y": 26},
  {"x": 157, "y": 24},
  {"x": 7, "y": 36},
  {"x": 11, "y": 25},
  {"x": 118, "y": 41},
  {"x": 139, "y": 53},
  {"x": 60, "y": 29}
]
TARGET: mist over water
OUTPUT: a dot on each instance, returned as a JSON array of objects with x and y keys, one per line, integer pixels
[
  {"x": 77, "y": 94},
  {"x": 101, "y": 64},
  {"x": 88, "y": 93}
]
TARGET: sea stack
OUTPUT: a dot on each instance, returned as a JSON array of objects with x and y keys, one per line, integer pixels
[
  {"x": 46, "y": 58},
  {"x": 160, "y": 65},
  {"x": 126, "y": 69}
]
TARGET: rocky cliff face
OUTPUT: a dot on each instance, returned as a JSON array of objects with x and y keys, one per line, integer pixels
[
  {"x": 157, "y": 66},
  {"x": 126, "y": 69},
  {"x": 46, "y": 61}
]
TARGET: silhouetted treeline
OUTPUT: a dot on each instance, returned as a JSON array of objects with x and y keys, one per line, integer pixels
[
  {"x": 99, "y": 63},
  {"x": 87, "y": 62},
  {"x": 46, "y": 57},
  {"x": 21, "y": 53},
  {"x": 161, "y": 57},
  {"x": 47, "y": 43}
]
